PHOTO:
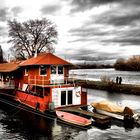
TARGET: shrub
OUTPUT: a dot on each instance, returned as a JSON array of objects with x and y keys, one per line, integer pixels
[{"x": 105, "y": 79}]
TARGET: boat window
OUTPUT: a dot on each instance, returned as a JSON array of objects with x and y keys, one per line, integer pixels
[
  {"x": 53, "y": 69},
  {"x": 43, "y": 70},
  {"x": 46, "y": 91},
  {"x": 37, "y": 91},
  {"x": 60, "y": 69}
]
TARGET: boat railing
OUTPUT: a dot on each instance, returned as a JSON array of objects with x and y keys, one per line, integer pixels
[
  {"x": 37, "y": 80},
  {"x": 7, "y": 84}
]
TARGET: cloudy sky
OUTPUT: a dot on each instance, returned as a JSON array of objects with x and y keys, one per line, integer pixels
[{"x": 89, "y": 30}]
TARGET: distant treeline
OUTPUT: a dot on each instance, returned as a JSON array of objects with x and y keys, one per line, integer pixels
[
  {"x": 132, "y": 64},
  {"x": 91, "y": 66}
]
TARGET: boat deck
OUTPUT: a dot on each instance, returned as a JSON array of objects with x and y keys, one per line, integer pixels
[{"x": 78, "y": 109}]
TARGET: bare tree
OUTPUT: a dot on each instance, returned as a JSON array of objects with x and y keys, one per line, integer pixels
[{"x": 32, "y": 36}]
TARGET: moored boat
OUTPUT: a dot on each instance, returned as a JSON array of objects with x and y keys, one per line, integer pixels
[
  {"x": 115, "y": 111},
  {"x": 73, "y": 119}
]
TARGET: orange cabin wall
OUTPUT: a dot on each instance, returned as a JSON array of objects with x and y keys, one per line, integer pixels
[
  {"x": 66, "y": 71},
  {"x": 34, "y": 76},
  {"x": 33, "y": 72},
  {"x": 49, "y": 73},
  {"x": 84, "y": 98}
]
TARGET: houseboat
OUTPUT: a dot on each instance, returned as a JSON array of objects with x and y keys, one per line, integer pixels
[{"x": 42, "y": 83}]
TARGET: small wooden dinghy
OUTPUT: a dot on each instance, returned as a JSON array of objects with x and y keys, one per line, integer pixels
[{"x": 73, "y": 119}]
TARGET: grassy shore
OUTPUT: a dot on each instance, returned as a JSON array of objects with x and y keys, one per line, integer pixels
[{"x": 111, "y": 86}]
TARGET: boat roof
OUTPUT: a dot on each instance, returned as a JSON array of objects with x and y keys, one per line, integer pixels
[
  {"x": 8, "y": 67},
  {"x": 45, "y": 59}
]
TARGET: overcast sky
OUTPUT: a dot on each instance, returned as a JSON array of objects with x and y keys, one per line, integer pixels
[{"x": 91, "y": 30}]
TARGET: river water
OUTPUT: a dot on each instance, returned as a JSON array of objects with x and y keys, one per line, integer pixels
[
  {"x": 20, "y": 125},
  {"x": 97, "y": 74}
]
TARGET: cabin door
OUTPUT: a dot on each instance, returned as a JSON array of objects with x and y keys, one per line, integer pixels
[
  {"x": 69, "y": 97},
  {"x": 63, "y": 97},
  {"x": 66, "y": 97}
]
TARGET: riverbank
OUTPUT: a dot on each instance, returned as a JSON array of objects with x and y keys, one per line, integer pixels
[{"x": 111, "y": 86}]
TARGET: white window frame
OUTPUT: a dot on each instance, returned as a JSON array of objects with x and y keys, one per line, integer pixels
[
  {"x": 66, "y": 90},
  {"x": 57, "y": 70}
]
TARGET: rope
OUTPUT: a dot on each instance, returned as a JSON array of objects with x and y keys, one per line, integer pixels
[
  {"x": 7, "y": 94},
  {"x": 14, "y": 113},
  {"x": 19, "y": 106},
  {"x": 25, "y": 108}
]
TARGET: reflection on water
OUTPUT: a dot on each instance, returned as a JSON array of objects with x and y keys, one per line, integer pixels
[
  {"x": 83, "y": 135},
  {"x": 118, "y": 130},
  {"x": 24, "y": 125},
  {"x": 20, "y": 125},
  {"x": 115, "y": 133}
]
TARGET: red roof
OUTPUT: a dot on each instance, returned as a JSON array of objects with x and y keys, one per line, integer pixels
[
  {"x": 45, "y": 59},
  {"x": 8, "y": 67}
]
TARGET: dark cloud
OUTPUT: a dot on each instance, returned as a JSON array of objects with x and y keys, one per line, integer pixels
[
  {"x": 135, "y": 33},
  {"x": 124, "y": 38},
  {"x": 3, "y": 14},
  {"x": 81, "y": 5},
  {"x": 99, "y": 57},
  {"x": 81, "y": 39},
  {"x": 127, "y": 13},
  {"x": 6, "y": 13},
  {"x": 16, "y": 10},
  {"x": 122, "y": 19},
  {"x": 92, "y": 56},
  {"x": 130, "y": 3},
  {"x": 87, "y": 33},
  {"x": 77, "y": 53},
  {"x": 50, "y": 9},
  {"x": 123, "y": 41}
]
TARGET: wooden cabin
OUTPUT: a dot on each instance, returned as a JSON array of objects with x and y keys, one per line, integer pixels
[
  {"x": 9, "y": 75},
  {"x": 44, "y": 69},
  {"x": 43, "y": 83}
]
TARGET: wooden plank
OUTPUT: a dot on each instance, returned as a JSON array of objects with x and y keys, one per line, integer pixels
[{"x": 77, "y": 109}]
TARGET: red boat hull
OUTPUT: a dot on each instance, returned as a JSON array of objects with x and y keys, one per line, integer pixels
[
  {"x": 73, "y": 119},
  {"x": 32, "y": 101}
]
